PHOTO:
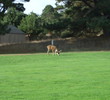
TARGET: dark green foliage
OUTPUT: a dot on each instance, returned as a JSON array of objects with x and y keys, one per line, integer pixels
[
  {"x": 31, "y": 25},
  {"x": 69, "y": 18},
  {"x": 50, "y": 19},
  {"x": 4, "y": 5},
  {"x": 13, "y": 17},
  {"x": 3, "y": 28},
  {"x": 66, "y": 33},
  {"x": 87, "y": 15}
]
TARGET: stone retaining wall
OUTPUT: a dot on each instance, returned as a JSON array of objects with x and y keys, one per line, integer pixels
[{"x": 66, "y": 45}]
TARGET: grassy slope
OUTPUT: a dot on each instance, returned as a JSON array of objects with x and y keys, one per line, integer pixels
[{"x": 71, "y": 76}]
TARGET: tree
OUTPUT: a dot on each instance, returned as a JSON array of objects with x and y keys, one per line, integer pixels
[
  {"x": 50, "y": 19},
  {"x": 87, "y": 16},
  {"x": 4, "y": 5},
  {"x": 13, "y": 16},
  {"x": 31, "y": 25},
  {"x": 3, "y": 27}
]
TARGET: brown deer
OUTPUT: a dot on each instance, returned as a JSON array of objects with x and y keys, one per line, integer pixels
[{"x": 53, "y": 49}]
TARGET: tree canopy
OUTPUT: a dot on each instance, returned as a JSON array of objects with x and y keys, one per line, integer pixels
[
  {"x": 6, "y": 4},
  {"x": 50, "y": 18},
  {"x": 87, "y": 16},
  {"x": 13, "y": 17},
  {"x": 68, "y": 18},
  {"x": 31, "y": 25}
]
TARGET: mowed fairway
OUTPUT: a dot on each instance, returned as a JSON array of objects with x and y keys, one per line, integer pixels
[{"x": 70, "y": 76}]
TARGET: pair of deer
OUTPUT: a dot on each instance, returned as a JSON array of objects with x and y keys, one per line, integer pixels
[{"x": 53, "y": 49}]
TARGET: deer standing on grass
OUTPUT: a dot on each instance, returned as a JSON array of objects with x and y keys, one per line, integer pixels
[{"x": 53, "y": 49}]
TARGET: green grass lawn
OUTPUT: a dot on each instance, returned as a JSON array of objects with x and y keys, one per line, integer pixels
[{"x": 70, "y": 76}]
